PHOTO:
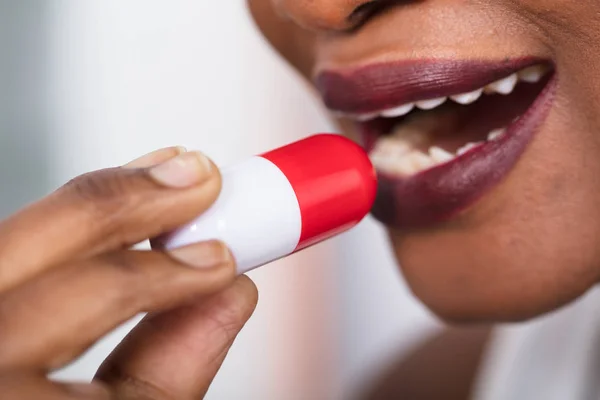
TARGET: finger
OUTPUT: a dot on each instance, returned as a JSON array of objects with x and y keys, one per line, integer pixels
[
  {"x": 103, "y": 211},
  {"x": 156, "y": 157},
  {"x": 49, "y": 321},
  {"x": 176, "y": 355},
  {"x": 21, "y": 386}
]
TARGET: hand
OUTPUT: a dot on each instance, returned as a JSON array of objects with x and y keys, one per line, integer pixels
[{"x": 68, "y": 276}]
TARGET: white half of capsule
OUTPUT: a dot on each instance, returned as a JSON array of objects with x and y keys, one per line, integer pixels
[{"x": 257, "y": 215}]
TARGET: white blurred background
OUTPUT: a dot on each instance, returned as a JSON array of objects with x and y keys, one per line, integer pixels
[{"x": 92, "y": 84}]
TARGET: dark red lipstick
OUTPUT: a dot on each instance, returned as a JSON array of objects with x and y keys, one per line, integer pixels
[
  {"x": 441, "y": 191},
  {"x": 380, "y": 86}
]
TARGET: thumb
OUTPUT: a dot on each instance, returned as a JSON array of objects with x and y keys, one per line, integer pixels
[{"x": 176, "y": 355}]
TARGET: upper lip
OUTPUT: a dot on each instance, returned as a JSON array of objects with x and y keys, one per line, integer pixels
[{"x": 376, "y": 87}]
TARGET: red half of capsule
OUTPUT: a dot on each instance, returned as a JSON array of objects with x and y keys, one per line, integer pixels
[{"x": 334, "y": 182}]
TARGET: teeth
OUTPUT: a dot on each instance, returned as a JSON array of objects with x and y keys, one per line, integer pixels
[
  {"x": 420, "y": 160},
  {"x": 431, "y": 104},
  {"x": 532, "y": 74},
  {"x": 402, "y": 159},
  {"x": 496, "y": 134},
  {"x": 405, "y": 166},
  {"x": 503, "y": 86},
  {"x": 366, "y": 117},
  {"x": 398, "y": 111},
  {"x": 439, "y": 155},
  {"x": 467, "y": 147},
  {"x": 467, "y": 98},
  {"x": 388, "y": 146},
  {"x": 383, "y": 163}
]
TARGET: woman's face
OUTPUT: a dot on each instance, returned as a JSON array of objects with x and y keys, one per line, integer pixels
[{"x": 483, "y": 120}]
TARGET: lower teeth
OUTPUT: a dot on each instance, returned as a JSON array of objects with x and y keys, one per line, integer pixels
[
  {"x": 399, "y": 155},
  {"x": 468, "y": 147},
  {"x": 496, "y": 134}
]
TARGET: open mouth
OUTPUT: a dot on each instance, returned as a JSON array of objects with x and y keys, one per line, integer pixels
[
  {"x": 414, "y": 137},
  {"x": 440, "y": 134}
]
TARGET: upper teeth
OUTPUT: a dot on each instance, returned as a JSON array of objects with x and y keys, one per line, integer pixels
[
  {"x": 532, "y": 74},
  {"x": 431, "y": 104},
  {"x": 398, "y": 111},
  {"x": 502, "y": 86},
  {"x": 468, "y": 98}
]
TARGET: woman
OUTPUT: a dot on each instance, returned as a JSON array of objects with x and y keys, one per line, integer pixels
[
  {"x": 502, "y": 231},
  {"x": 481, "y": 118},
  {"x": 483, "y": 236}
]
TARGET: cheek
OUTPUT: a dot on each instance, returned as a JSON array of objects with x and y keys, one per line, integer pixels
[
  {"x": 288, "y": 39},
  {"x": 528, "y": 247}
]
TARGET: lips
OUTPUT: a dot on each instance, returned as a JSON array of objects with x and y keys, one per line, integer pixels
[
  {"x": 419, "y": 188},
  {"x": 384, "y": 86}
]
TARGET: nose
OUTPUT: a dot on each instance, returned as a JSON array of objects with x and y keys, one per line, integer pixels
[{"x": 328, "y": 15}]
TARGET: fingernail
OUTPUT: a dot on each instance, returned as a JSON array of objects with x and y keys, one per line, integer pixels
[
  {"x": 181, "y": 149},
  {"x": 203, "y": 255},
  {"x": 88, "y": 389},
  {"x": 155, "y": 157},
  {"x": 185, "y": 170}
]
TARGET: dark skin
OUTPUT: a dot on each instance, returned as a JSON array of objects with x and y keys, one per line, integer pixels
[
  {"x": 531, "y": 245},
  {"x": 443, "y": 367},
  {"x": 81, "y": 281}
]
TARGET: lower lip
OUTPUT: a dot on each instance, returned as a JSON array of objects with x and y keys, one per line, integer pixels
[{"x": 440, "y": 193}]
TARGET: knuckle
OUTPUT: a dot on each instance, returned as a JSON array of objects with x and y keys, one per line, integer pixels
[
  {"x": 138, "y": 282},
  {"x": 105, "y": 192},
  {"x": 229, "y": 315},
  {"x": 225, "y": 325},
  {"x": 222, "y": 333},
  {"x": 108, "y": 198},
  {"x": 129, "y": 386},
  {"x": 130, "y": 282},
  {"x": 128, "y": 268}
]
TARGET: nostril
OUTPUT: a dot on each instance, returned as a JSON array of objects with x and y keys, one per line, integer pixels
[
  {"x": 328, "y": 16},
  {"x": 364, "y": 12},
  {"x": 369, "y": 9}
]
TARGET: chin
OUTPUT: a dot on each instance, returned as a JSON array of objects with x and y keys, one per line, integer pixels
[{"x": 483, "y": 269}]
